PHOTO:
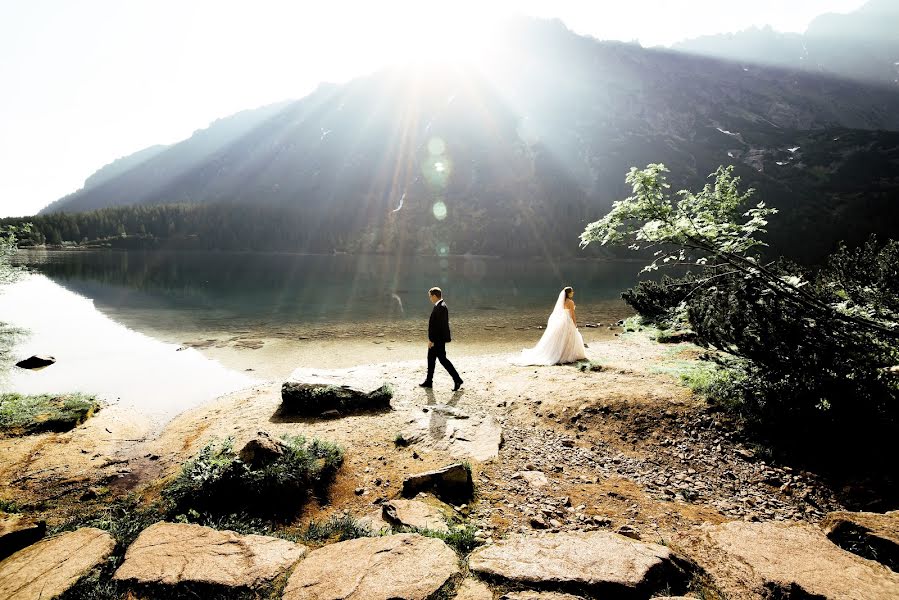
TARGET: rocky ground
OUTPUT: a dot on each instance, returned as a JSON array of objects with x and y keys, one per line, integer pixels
[{"x": 606, "y": 483}]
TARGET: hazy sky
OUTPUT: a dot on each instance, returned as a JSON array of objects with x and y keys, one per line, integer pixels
[{"x": 83, "y": 83}]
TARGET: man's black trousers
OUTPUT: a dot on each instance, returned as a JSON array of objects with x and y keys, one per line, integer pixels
[{"x": 438, "y": 352}]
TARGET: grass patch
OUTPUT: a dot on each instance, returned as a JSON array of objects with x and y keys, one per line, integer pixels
[
  {"x": 24, "y": 415},
  {"x": 240, "y": 522},
  {"x": 338, "y": 528},
  {"x": 588, "y": 366},
  {"x": 461, "y": 539},
  {"x": 10, "y": 506},
  {"x": 400, "y": 441},
  {"x": 8, "y": 337},
  {"x": 124, "y": 519},
  {"x": 217, "y": 481}
]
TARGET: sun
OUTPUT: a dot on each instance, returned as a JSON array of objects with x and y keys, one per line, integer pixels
[{"x": 437, "y": 32}]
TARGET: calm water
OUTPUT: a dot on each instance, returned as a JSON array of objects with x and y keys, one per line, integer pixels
[
  {"x": 238, "y": 290},
  {"x": 116, "y": 321}
]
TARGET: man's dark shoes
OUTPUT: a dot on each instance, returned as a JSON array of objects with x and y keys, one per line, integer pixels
[
  {"x": 425, "y": 384},
  {"x": 458, "y": 385}
]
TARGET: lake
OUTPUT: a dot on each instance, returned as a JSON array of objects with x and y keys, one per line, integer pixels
[{"x": 171, "y": 329}]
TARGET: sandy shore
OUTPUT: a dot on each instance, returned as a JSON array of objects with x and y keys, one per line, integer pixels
[{"x": 274, "y": 352}]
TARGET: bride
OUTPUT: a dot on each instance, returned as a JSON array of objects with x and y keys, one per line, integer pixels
[{"x": 561, "y": 342}]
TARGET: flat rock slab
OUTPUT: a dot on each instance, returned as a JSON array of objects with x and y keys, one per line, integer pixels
[
  {"x": 18, "y": 531},
  {"x": 870, "y": 535},
  {"x": 406, "y": 513},
  {"x": 472, "y": 589},
  {"x": 51, "y": 566},
  {"x": 451, "y": 483},
  {"x": 784, "y": 560},
  {"x": 172, "y": 553},
  {"x": 598, "y": 562},
  {"x": 462, "y": 436},
  {"x": 406, "y": 565},
  {"x": 317, "y": 397}
]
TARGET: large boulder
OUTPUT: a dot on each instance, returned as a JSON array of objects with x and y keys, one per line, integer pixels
[
  {"x": 36, "y": 362},
  {"x": 51, "y": 566},
  {"x": 18, "y": 531},
  {"x": 315, "y": 398},
  {"x": 784, "y": 560},
  {"x": 407, "y": 566},
  {"x": 452, "y": 483},
  {"x": 871, "y": 535},
  {"x": 598, "y": 562},
  {"x": 262, "y": 450},
  {"x": 399, "y": 513},
  {"x": 173, "y": 553}
]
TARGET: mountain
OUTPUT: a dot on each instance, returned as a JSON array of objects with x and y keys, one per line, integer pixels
[
  {"x": 516, "y": 155},
  {"x": 147, "y": 168},
  {"x": 862, "y": 45},
  {"x": 122, "y": 165}
]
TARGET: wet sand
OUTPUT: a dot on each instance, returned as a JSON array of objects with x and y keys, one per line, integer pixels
[{"x": 274, "y": 352}]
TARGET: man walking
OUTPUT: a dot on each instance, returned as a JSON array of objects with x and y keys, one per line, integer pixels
[{"x": 438, "y": 338}]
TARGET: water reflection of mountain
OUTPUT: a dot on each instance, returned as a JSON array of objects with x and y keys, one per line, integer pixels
[{"x": 296, "y": 288}]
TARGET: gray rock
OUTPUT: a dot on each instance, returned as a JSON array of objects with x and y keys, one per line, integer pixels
[
  {"x": 36, "y": 362},
  {"x": 535, "y": 479},
  {"x": 749, "y": 560},
  {"x": 601, "y": 562},
  {"x": 399, "y": 513},
  {"x": 53, "y": 565},
  {"x": 262, "y": 450},
  {"x": 315, "y": 398},
  {"x": 413, "y": 513},
  {"x": 461, "y": 435},
  {"x": 870, "y": 535},
  {"x": 173, "y": 553},
  {"x": 452, "y": 484},
  {"x": 407, "y": 566},
  {"x": 18, "y": 531}
]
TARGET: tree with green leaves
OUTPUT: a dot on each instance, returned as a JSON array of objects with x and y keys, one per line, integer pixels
[
  {"x": 800, "y": 345},
  {"x": 8, "y": 238},
  {"x": 712, "y": 230}
]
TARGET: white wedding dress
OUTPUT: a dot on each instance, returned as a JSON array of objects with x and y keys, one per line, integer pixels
[{"x": 561, "y": 342}]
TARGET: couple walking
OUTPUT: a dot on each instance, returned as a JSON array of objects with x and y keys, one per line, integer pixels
[{"x": 561, "y": 342}]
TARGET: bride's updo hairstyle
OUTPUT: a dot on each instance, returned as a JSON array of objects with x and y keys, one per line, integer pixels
[{"x": 568, "y": 291}]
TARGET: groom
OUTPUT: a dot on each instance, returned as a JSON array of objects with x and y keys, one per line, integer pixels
[{"x": 438, "y": 337}]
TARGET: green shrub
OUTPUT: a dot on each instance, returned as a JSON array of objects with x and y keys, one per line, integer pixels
[{"x": 216, "y": 481}]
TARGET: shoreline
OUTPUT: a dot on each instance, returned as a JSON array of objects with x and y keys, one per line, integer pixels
[{"x": 536, "y": 257}]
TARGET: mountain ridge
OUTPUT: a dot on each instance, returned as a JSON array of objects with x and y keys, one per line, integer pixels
[{"x": 533, "y": 144}]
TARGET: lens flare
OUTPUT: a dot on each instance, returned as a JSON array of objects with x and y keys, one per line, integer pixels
[
  {"x": 439, "y": 210},
  {"x": 436, "y": 146},
  {"x": 437, "y": 170}
]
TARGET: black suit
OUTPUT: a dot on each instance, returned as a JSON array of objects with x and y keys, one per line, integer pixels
[{"x": 439, "y": 336}]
